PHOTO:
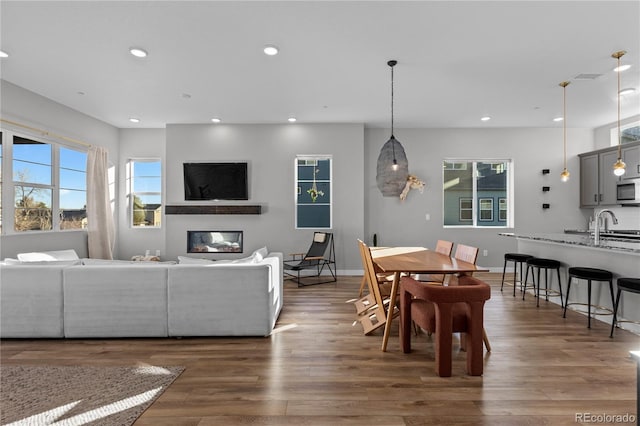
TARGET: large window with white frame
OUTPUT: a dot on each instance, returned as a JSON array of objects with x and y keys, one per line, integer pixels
[
  {"x": 313, "y": 191},
  {"x": 43, "y": 185},
  {"x": 144, "y": 183},
  {"x": 477, "y": 193}
]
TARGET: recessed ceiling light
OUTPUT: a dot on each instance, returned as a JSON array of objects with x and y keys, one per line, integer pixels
[
  {"x": 558, "y": 119},
  {"x": 292, "y": 120},
  {"x": 216, "y": 120},
  {"x": 485, "y": 118},
  {"x": 80, "y": 92},
  {"x": 138, "y": 52},
  {"x": 622, "y": 68},
  {"x": 627, "y": 91},
  {"x": 134, "y": 120},
  {"x": 3, "y": 54},
  {"x": 185, "y": 96},
  {"x": 270, "y": 50}
]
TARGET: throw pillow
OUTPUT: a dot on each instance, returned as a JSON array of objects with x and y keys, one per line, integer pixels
[{"x": 44, "y": 256}]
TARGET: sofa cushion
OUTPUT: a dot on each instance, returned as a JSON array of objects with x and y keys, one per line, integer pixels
[
  {"x": 44, "y": 256},
  {"x": 186, "y": 260}
]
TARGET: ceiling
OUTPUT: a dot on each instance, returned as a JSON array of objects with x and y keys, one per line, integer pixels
[{"x": 457, "y": 60}]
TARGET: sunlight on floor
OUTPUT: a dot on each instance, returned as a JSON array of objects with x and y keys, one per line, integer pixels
[{"x": 48, "y": 417}]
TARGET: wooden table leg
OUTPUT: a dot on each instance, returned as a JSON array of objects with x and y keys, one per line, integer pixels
[{"x": 392, "y": 304}]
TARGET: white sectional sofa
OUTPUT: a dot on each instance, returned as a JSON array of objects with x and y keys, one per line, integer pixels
[{"x": 140, "y": 299}]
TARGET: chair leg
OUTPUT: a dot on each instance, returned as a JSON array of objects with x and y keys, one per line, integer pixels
[
  {"x": 362, "y": 284},
  {"x": 566, "y": 299},
  {"x": 504, "y": 269},
  {"x": 589, "y": 303},
  {"x": 560, "y": 287},
  {"x": 615, "y": 312},
  {"x": 485, "y": 339}
]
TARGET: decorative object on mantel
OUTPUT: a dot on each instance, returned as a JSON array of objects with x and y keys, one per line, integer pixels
[
  {"x": 619, "y": 166},
  {"x": 412, "y": 183},
  {"x": 564, "y": 176},
  {"x": 393, "y": 166}
]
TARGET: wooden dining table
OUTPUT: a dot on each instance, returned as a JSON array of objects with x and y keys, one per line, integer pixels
[{"x": 415, "y": 260}]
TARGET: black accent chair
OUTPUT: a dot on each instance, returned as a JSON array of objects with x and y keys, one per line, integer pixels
[{"x": 321, "y": 253}]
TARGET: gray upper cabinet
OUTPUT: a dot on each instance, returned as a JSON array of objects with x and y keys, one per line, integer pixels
[
  {"x": 631, "y": 157},
  {"x": 597, "y": 181}
]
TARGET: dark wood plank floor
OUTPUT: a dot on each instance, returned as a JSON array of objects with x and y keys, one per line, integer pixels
[{"x": 319, "y": 369}]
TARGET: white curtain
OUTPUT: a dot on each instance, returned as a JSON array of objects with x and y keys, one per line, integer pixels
[{"x": 101, "y": 228}]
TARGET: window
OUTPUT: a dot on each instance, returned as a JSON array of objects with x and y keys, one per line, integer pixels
[
  {"x": 313, "y": 192},
  {"x": 73, "y": 189},
  {"x": 144, "y": 182},
  {"x": 47, "y": 183},
  {"x": 486, "y": 209},
  {"x": 466, "y": 209},
  {"x": 473, "y": 189},
  {"x": 628, "y": 133},
  {"x": 502, "y": 209}
]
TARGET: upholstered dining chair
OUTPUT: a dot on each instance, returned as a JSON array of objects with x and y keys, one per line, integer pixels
[{"x": 444, "y": 310}]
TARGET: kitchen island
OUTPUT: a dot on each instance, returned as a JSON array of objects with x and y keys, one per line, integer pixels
[{"x": 618, "y": 255}]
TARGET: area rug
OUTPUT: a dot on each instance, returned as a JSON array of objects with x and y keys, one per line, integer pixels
[{"x": 73, "y": 396}]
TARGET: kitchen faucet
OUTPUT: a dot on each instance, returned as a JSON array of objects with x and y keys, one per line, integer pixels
[{"x": 596, "y": 234}]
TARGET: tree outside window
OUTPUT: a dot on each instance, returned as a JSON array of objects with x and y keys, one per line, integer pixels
[{"x": 144, "y": 178}]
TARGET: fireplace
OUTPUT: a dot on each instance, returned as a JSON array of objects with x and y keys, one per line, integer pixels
[{"x": 214, "y": 241}]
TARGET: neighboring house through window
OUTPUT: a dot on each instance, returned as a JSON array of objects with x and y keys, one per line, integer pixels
[{"x": 477, "y": 193}]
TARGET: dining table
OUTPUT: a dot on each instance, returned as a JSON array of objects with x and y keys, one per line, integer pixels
[{"x": 415, "y": 260}]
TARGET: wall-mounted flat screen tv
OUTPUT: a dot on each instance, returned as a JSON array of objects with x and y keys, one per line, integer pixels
[{"x": 215, "y": 181}]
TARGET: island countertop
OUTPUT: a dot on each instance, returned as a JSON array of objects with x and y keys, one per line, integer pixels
[{"x": 627, "y": 246}]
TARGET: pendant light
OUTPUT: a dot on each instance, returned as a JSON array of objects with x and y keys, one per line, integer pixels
[
  {"x": 394, "y": 164},
  {"x": 564, "y": 176},
  {"x": 619, "y": 166}
]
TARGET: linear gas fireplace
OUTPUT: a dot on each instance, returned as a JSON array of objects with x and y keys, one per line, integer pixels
[{"x": 214, "y": 241}]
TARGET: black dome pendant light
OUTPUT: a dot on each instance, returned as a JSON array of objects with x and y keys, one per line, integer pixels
[{"x": 392, "y": 167}]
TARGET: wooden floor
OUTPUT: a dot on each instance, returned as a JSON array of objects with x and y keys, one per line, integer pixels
[{"x": 319, "y": 369}]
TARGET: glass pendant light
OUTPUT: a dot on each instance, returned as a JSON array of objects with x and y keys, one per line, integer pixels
[{"x": 619, "y": 166}]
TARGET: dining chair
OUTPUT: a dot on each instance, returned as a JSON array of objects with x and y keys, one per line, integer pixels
[
  {"x": 442, "y": 247},
  {"x": 444, "y": 310},
  {"x": 469, "y": 254},
  {"x": 382, "y": 276},
  {"x": 373, "y": 308}
]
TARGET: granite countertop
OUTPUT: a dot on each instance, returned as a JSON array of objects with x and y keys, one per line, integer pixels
[{"x": 611, "y": 244}]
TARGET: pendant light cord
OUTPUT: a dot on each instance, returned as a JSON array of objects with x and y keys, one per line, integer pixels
[
  {"x": 564, "y": 121},
  {"x": 392, "y": 100},
  {"x": 619, "y": 136}
]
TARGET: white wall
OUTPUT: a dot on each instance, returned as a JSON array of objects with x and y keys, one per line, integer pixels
[
  {"x": 270, "y": 151},
  {"x": 404, "y": 223},
  {"x": 138, "y": 143},
  {"x": 28, "y": 108}
]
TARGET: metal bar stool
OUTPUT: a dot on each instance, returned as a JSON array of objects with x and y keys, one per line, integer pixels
[
  {"x": 517, "y": 259},
  {"x": 624, "y": 284},
  {"x": 590, "y": 274},
  {"x": 537, "y": 264}
]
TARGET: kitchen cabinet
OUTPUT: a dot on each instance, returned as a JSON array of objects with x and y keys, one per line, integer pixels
[
  {"x": 631, "y": 157},
  {"x": 597, "y": 181}
]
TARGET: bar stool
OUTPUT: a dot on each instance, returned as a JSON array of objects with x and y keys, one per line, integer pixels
[
  {"x": 537, "y": 264},
  {"x": 517, "y": 259},
  {"x": 624, "y": 284},
  {"x": 590, "y": 274}
]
